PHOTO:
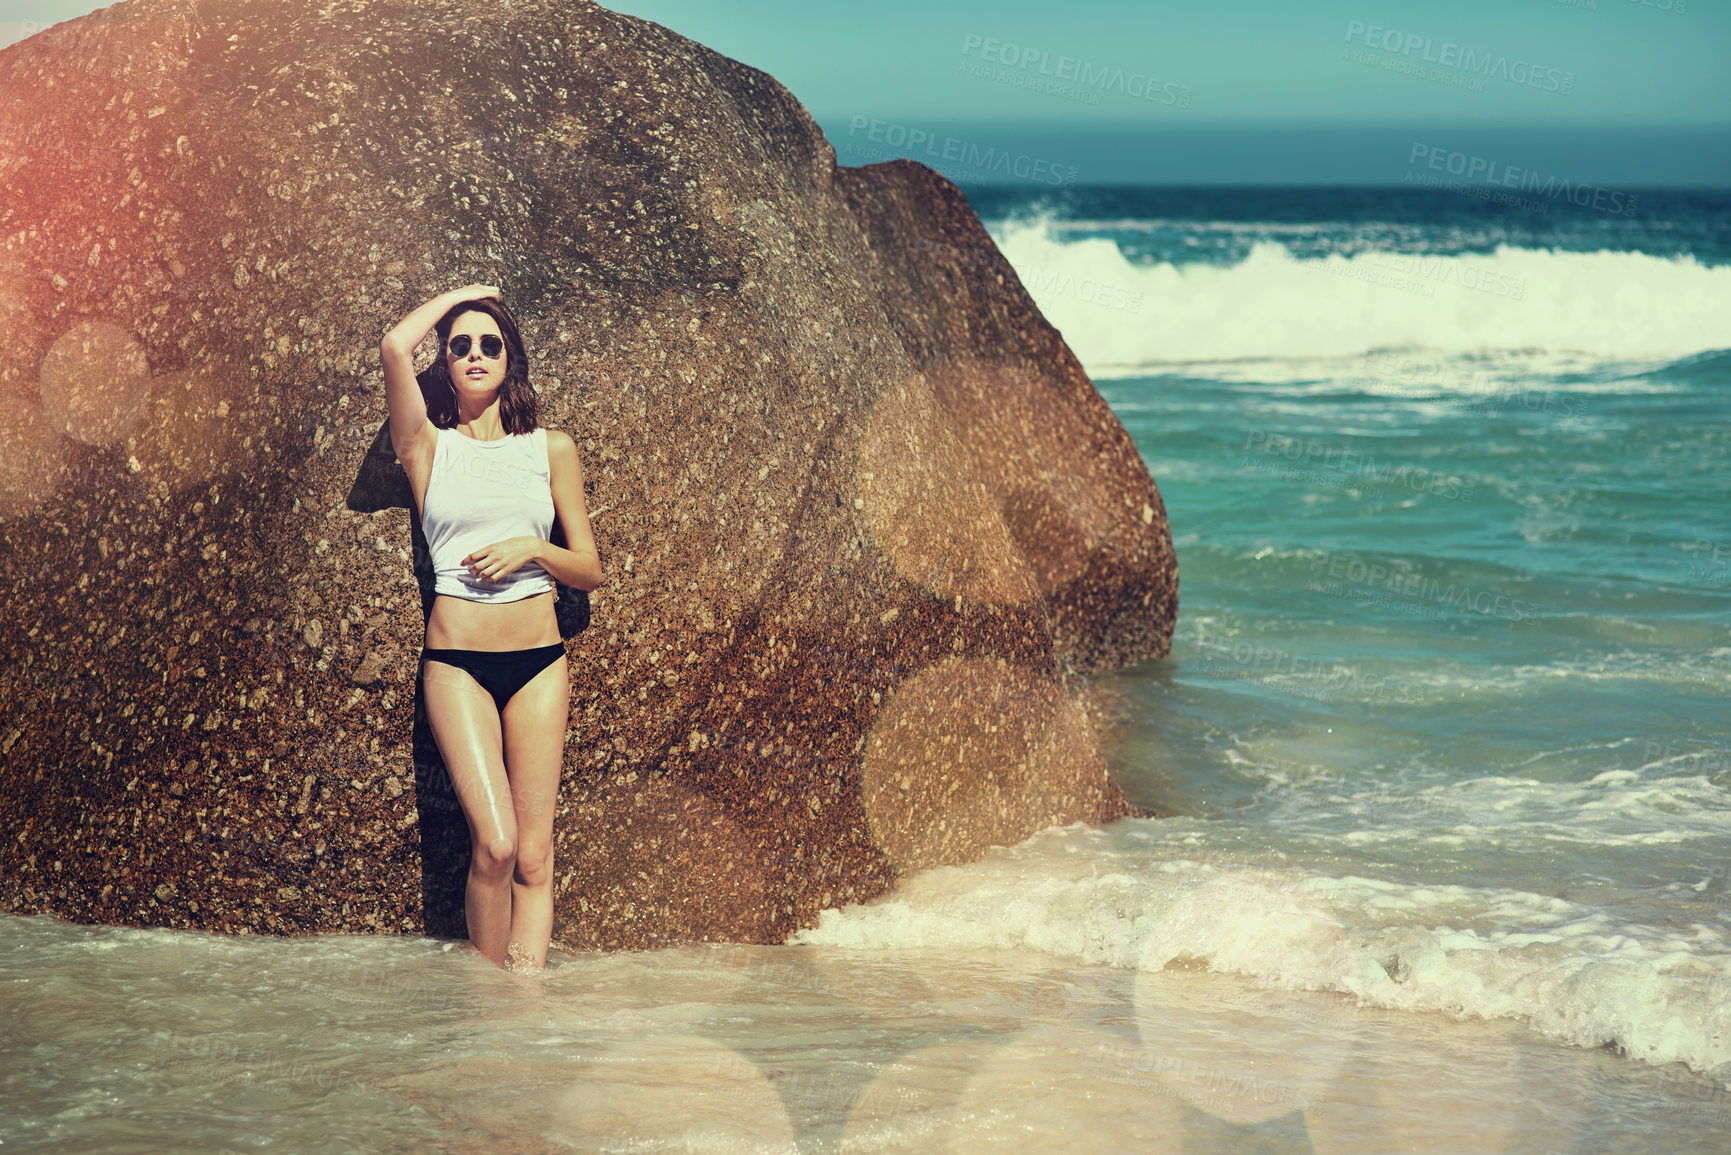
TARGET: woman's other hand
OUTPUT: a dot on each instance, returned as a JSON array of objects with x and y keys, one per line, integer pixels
[{"x": 503, "y": 558}]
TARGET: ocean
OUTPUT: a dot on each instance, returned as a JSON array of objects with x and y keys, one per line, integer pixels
[{"x": 1441, "y": 761}]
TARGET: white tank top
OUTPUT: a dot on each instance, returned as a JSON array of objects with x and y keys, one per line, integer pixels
[{"x": 481, "y": 492}]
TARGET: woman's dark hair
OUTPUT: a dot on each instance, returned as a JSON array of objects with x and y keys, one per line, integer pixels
[{"x": 517, "y": 409}]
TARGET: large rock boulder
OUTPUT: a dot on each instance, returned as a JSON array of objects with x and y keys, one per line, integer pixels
[{"x": 867, "y": 525}]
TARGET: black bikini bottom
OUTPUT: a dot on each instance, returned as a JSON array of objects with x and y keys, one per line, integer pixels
[{"x": 500, "y": 672}]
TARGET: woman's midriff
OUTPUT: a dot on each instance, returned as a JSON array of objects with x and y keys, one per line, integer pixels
[{"x": 460, "y": 624}]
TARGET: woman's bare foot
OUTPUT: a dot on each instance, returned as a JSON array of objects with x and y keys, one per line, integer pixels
[{"x": 518, "y": 959}]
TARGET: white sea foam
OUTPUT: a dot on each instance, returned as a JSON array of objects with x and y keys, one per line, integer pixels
[
  {"x": 1119, "y": 315},
  {"x": 1615, "y": 809},
  {"x": 1127, "y": 897}
]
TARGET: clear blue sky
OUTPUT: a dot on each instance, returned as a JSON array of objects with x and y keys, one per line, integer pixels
[
  {"x": 1630, "y": 92},
  {"x": 1242, "y": 91},
  {"x": 1259, "y": 62}
]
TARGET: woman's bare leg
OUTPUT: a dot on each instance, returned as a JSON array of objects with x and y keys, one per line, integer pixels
[
  {"x": 466, "y": 727},
  {"x": 535, "y": 720}
]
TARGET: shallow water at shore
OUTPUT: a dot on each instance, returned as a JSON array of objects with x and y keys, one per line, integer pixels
[{"x": 121, "y": 1039}]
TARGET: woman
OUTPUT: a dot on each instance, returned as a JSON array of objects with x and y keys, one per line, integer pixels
[{"x": 487, "y": 483}]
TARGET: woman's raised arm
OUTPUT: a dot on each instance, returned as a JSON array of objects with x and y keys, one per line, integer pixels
[{"x": 410, "y": 429}]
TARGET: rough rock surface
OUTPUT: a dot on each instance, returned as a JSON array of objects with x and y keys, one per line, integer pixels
[{"x": 867, "y": 525}]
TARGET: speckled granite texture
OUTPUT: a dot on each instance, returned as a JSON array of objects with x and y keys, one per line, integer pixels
[{"x": 866, "y": 524}]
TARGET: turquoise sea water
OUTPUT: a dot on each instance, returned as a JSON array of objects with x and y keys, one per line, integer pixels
[
  {"x": 1442, "y": 753},
  {"x": 1445, "y": 726}
]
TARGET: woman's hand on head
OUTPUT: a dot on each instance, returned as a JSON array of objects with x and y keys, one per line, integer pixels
[
  {"x": 476, "y": 293},
  {"x": 503, "y": 558}
]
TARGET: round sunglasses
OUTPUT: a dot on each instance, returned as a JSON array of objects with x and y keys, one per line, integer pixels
[{"x": 491, "y": 345}]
